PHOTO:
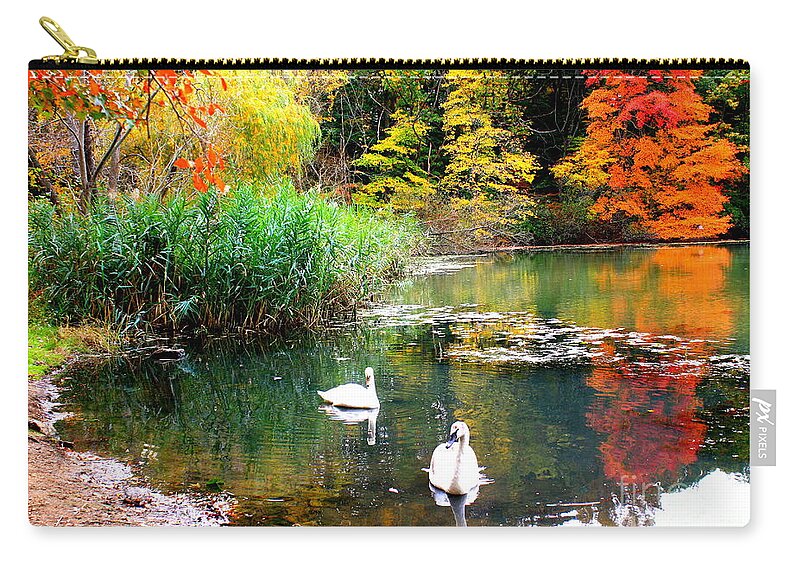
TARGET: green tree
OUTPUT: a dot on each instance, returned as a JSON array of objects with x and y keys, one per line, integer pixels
[
  {"x": 729, "y": 97},
  {"x": 403, "y": 167}
]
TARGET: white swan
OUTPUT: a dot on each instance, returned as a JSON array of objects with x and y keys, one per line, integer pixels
[
  {"x": 454, "y": 468},
  {"x": 354, "y": 395}
]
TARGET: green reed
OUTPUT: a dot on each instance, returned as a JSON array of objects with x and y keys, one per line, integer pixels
[{"x": 214, "y": 262}]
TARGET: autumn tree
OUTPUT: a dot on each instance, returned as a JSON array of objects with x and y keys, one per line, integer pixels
[
  {"x": 357, "y": 114},
  {"x": 49, "y": 159},
  {"x": 488, "y": 170},
  {"x": 729, "y": 96},
  {"x": 484, "y": 156},
  {"x": 268, "y": 129},
  {"x": 396, "y": 177},
  {"x": 99, "y": 109},
  {"x": 403, "y": 167},
  {"x": 650, "y": 159}
]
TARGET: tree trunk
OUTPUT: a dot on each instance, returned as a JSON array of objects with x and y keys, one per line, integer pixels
[
  {"x": 42, "y": 181},
  {"x": 113, "y": 172},
  {"x": 89, "y": 170}
]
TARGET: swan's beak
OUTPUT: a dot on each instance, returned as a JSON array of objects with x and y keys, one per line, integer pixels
[{"x": 451, "y": 440}]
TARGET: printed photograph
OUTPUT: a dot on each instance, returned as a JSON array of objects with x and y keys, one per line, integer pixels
[{"x": 353, "y": 296}]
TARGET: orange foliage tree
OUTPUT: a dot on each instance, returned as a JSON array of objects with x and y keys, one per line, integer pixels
[
  {"x": 649, "y": 158},
  {"x": 87, "y": 102}
]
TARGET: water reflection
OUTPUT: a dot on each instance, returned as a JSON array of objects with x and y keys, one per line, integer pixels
[
  {"x": 457, "y": 503},
  {"x": 352, "y": 416},
  {"x": 647, "y": 413},
  {"x": 583, "y": 417},
  {"x": 717, "y": 499},
  {"x": 695, "y": 291}
]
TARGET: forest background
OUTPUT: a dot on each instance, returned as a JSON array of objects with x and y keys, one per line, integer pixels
[{"x": 481, "y": 158}]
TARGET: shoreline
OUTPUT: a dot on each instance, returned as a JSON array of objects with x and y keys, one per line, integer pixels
[
  {"x": 592, "y": 246},
  {"x": 69, "y": 488}
]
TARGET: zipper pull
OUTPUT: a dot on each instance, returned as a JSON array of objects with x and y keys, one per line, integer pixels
[{"x": 72, "y": 53}]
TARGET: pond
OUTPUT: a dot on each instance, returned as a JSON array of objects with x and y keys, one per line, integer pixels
[{"x": 601, "y": 387}]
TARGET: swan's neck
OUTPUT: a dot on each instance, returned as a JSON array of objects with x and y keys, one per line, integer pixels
[{"x": 460, "y": 446}]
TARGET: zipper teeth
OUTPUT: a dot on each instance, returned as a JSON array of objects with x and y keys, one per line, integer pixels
[{"x": 373, "y": 63}]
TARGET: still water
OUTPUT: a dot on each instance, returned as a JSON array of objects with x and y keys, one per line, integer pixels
[{"x": 601, "y": 387}]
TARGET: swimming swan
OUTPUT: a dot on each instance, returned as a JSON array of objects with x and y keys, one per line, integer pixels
[
  {"x": 354, "y": 395},
  {"x": 454, "y": 468}
]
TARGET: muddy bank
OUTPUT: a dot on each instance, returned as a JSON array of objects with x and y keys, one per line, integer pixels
[{"x": 66, "y": 488}]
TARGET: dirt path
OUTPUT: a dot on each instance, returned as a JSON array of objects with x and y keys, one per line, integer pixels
[{"x": 66, "y": 488}]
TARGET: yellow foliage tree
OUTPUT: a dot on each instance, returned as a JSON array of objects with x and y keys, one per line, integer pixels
[
  {"x": 395, "y": 175},
  {"x": 268, "y": 131},
  {"x": 488, "y": 172}
]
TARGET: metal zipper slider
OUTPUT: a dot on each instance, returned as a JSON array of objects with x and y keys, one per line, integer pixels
[{"x": 72, "y": 52}]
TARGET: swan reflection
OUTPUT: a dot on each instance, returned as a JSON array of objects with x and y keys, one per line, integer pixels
[
  {"x": 456, "y": 502},
  {"x": 352, "y": 416}
]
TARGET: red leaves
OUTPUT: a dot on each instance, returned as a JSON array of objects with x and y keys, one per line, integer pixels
[
  {"x": 124, "y": 98},
  {"x": 199, "y": 184},
  {"x": 166, "y": 77},
  {"x": 650, "y": 153},
  {"x": 62, "y": 91},
  {"x": 592, "y": 77},
  {"x": 213, "y": 159},
  {"x": 219, "y": 182},
  {"x": 205, "y": 170},
  {"x": 654, "y": 109},
  {"x": 178, "y": 87}
]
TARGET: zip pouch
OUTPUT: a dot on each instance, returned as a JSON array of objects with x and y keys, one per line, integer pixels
[{"x": 388, "y": 292}]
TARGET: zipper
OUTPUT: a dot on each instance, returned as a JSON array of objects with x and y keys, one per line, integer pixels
[
  {"x": 72, "y": 59},
  {"x": 72, "y": 52}
]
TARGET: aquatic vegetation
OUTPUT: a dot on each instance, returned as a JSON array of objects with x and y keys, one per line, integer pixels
[{"x": 217, "y": 262}]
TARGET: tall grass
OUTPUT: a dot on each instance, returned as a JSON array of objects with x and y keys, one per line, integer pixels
[{"x": 214, "y": 262}]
